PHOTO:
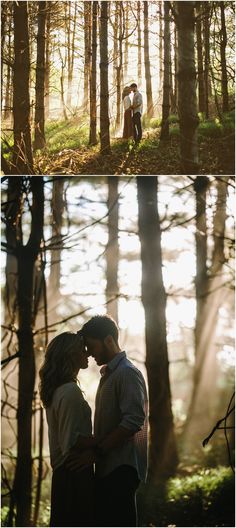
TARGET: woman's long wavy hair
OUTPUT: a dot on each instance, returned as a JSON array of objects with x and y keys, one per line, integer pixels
[
  {"x": 125, "y": 92},
  {"x": 58, "y": 366}
]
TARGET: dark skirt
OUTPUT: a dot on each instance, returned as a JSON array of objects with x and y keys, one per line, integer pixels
[
  {"x": 72, "y": 497},
  {"x": 128, "y": 124}
]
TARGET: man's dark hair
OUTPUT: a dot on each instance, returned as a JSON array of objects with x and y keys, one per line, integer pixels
[
  {"x": 133, "y": 85},
  {"x": 99, "y": 327}
]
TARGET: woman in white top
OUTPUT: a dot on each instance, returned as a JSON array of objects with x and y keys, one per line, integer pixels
[
  {"x": 128, "y": 122},
  {"x": 69, "y": 429}
]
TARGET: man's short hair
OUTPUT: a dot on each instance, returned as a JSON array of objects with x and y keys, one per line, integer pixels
[
  {"x": 99, "y": 327},
  {"x": 133, "y": 85}
]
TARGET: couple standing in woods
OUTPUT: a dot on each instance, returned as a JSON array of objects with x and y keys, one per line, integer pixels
[
  {"x": 118, "y": 447},
  {"x": 132, "y": 113}
]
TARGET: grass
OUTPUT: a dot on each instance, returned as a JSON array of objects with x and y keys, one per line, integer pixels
[
  {"x": 203, "y": 499},
  {"x": 61, "y": 135}
]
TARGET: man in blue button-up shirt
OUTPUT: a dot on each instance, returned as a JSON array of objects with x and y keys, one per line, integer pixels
[{"x": 120, "y": 425}]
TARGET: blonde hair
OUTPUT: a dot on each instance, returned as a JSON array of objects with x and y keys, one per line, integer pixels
[
  {"x": 58, "y": 366},
  {"x": 125, "y": 92}
]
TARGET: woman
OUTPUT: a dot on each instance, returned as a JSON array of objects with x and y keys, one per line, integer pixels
[
  {"x": 69, "y": 429},
  {"x": 128, "y": 120}
]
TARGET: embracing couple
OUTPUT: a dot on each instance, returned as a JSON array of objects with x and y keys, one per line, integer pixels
[
  {"x": 132, "y": 113},
  {"x": 117, "y": 448}
]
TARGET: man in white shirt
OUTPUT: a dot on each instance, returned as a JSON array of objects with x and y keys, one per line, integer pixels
[{"x": 137, "y": 107}]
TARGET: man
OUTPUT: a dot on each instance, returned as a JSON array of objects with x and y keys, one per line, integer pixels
[
  {"x": 137, "y": 107},
  {"x": 120, "y": 425}
]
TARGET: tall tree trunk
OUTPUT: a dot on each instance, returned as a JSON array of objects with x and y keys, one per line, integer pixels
[
  {"x": 57, "y": 207},
  {"x": 163, "y": 454},
  {"x": 62, "y": 83},
  {"x": 126, "y": 36},
  {"x": 39, "y": 138},
  {"x": 26, "y": 257},
  {"x": 119, "y": 66},
  {"x": 22, "y": 155},
  {"x": 47, "y": 61},
  {"x": 12, "y": 213},
  {"x": 139, "y": 42},
  {"x": 8, "y": 90},
  {"x": 3, "y": 39},
  {"x": 71, "y": 53},
  {"x": 223, "y": 44},
  {"x": 150, "y": 110},
  {"x": 166, "y": 84},
  {"x": 87, "y": 52},
  {"x": 206, "y": 26},
  {"x": 161, "y": 37},
  {"x": 210, "y": 294},
  {"x": 93, "y": 80},
  {"x": 115, "y": 45},
  {"x": 104, "y": 92},
  {"x": 175, "y": 72},
  {"x": 187, "y": 101},
  {"x": 200, "y": 75},
  {"x": 112, "y": 250}
]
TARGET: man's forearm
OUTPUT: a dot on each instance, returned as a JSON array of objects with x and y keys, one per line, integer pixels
[
  {"x": 116, "y": 438},
  {"x": 85, "y": 442}
]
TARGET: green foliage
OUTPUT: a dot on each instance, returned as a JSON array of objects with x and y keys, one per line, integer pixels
[
  {"x": 6, "y": 144},
  {"x": 62, "y": 135},
  {"x": 228, "y": 122},
  {"x": 194, "y": 500},
  {"x": 155, "y": 122},
  {"x": 173, "y": 119},
  {"x": 145, "y": 121},
  {"x": 210, "y": 128},
  {"x": 174, "y": 131}
]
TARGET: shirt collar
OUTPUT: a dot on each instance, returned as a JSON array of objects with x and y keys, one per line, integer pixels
[{"x": 111, "y": 365}]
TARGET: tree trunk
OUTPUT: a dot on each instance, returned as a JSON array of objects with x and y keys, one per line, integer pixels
[
  {"x": 87, "y": 52},
  {"x": 112, "y": 250},
  {"x": 210, "y": 295},
  {"x": 160, "y": 47},
  {"x": 187, "y": 101},
  {"x": 139, "y": 43},
  {"x": 200, "y": 75},
  {"x": 206, "y": 26},
  {"x": 12, "y": 213},
  {"x": 39, "y": 138},
  {"x": 47, "y": 61},
  {"x": 26, "y": 257},
  {"x": 57, "y": 207},
  {"x": 126, "y": 50},
  {"x": 115, "y": 38},
  {"x": 104, "y": 92},
  {"x": 8, "y": 91},
  {"x": 119, "y": 67},
  {"x": 166, "y": 84},
  {"x": 223, "y": 44},
  {"x": 71, "y": 53},
  {"x": 93, "y": 80},
  {"x": 147, "y": 62},
  {"x": 62, "y": 82},
  {"x": 163, "y": 457},
  {"x": 22, "y": 156}
]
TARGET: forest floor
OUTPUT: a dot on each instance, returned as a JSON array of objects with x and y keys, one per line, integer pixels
[
  {"x": 198, "y": 497},
  {"x": 151, "y": 156}
]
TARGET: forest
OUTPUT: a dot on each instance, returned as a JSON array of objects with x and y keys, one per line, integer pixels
[
  {"x": 65, "y": 65},
  {"x": 156, "y": 253}
]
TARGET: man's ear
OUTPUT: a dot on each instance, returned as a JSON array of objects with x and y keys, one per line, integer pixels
[{"x": 108, "y": 340}]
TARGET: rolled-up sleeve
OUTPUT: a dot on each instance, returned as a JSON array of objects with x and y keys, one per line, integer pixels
[{"x": 132, "y": 399}]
